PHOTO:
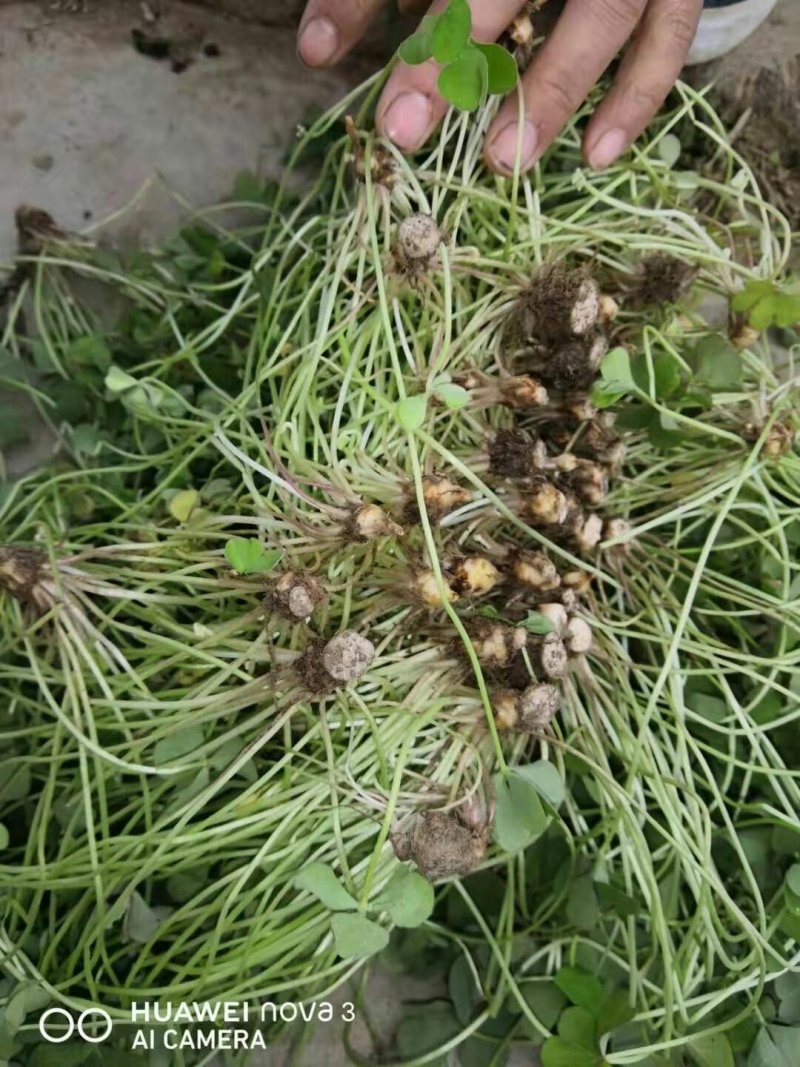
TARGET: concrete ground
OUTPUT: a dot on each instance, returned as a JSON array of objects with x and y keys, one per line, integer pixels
[{"x": 85, "y": 119}]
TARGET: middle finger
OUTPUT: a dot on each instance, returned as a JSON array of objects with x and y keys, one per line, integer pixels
[{"x": 585, "y": 40}]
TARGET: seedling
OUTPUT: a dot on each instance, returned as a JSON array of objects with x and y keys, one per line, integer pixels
[
  {"x": 471, "y": 71},
  {"x": 767, "y": 304},
  {"x": 407, "y": 898},
  {"x": 247, "y": 556}
]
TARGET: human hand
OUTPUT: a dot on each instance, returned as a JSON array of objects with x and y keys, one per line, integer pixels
[{"x": 585, "y": 39}]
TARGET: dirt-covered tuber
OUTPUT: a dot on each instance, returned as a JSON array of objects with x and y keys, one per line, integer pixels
[
  {"x": 441, "y": 845},
  {"x": 296, "y": 595}
]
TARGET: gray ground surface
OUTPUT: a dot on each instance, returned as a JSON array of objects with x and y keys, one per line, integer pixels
[{"x": 85, "y": 120}]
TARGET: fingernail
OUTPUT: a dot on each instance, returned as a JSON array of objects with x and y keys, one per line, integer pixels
[
  {"x": 503, "y": 147},
  {"x": 606, "y": 148},
  {"x": 319, "y": 40},
  {"x": 407, "y": 120}
]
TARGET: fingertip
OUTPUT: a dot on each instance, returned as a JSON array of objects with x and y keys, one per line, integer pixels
[
  {"x": 512, "y": 141},
  {"x": 605, "y": 147},
  {"x": 407, "y": 119},
  {"x": 318, "y": 41}
]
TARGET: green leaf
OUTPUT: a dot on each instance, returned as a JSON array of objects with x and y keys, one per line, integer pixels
[
  {"x": 415, "y": 952},
  {"x": 767, "y": 1009},
  {"x": 15, "y": 423},
  {"x": 408, "y": 897},
  {"x": 583, "y": 909},
  {"x": 186, "y": 884},
  {"x": 787, "y": 310},
  {"x": 418, "y": 48},
  {"x": 89, "y": 351},
  {"x": 614, "y": 1011},
  {"x": 177, "y": 744},
  {"x": 787, "y": 988},
  {"x": 227, "y": 752},
  {"x": 86, "y": 440},
  {"x": 669, "y": 149},
  {"x": 452, "y": 396},
  {"x": 141, "y": 922},
  {"x": 556, "y": 1052},
  {"x": 357, "y": 938},
  {"x": 635, "y": 417},
  {"x": 463, "y": 990},
  {"x": 183, "y": 504},
  {"x": 617, "y": 378},
  {"x": 410, "y": 412},
  {"x": 464, "y": 82},
  {"x": 710, "y": 707},
  {"x": 545, "y": 1000},
  {"x": 611, "y": 897},
  {"x": 752, "y": 293},
  {"x": 519, "y": 815},
  {"x": 451, "y": 32},
  {"x": 580, "y": 987},
  {"x": 15, "y": 780},
  {"x": 775, "y": 1046},
  {"x": 664, "y": 432},
  {"x": 717, "y": 363},
  {"x": 605, "y": 394},
  {"x": 697, "y": 395},
  {"x": 546, "y": 780},
  {"x": 320, "y": 879},
  {"x": 4, "y": 838},
  {"x": 246, "y": 556},
  {"x": 666, "y": 376},
  {"x": 767, "y": 304},
  {"x": 477, "y": 1051},
  {"x": 117, "y": 381},
  {"x": 768, "y": 709},
  {"x": 790, "y": 925},
  {"x": 536, "y": 623},
  {"x": 742, "y": 1035},
  {"x": 423, "y": 1028},
  {"x": 26, "y": 998},
  {"x": 792, "y": 901},
  {"x": 577, "y": 1026},
  {"x": 793, "y": 879},
  {"x": 71, "y": 1054},
  {"x": 187, "y": 792},
  {"x": 217, "y": 491},
  {"x": 502, "y": 68},
  {"x": 711, "y": 1050},
  {"x": 785, "y": 840},
  {"x": 616, "y": 368},
  {"x": 763, "y": 314}
]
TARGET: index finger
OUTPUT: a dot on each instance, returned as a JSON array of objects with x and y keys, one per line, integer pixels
[
  {"x": 585, "y": 40},
  {"x": 329, "y": 28}
]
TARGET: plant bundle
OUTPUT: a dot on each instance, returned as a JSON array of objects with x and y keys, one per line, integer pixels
[{"x": 427, "y": 526}]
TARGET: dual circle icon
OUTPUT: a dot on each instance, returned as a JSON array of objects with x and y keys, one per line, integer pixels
[{"x": 63, "y": 1030}]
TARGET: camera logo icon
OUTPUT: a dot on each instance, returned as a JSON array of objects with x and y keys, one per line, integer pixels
[{"x": 68, "y": 1024}]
